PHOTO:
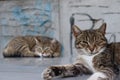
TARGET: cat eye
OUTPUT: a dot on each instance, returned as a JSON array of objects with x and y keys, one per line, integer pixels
[
  {"x": 97, "y": 41},
  {"x": 47, "y": 48},
  {"x": 39, "y": 49},
  {"x": 101, "y": 40},
  {"x": 84, "y": 42}
]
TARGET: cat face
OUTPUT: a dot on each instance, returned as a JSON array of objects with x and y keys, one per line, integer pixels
[
  {"x": 90, "y": 42},
  {"x": 44, "y": 48},
  {"x": 44, "y": 51}
]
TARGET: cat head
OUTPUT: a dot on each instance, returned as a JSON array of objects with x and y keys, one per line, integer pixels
[
  {"x": 44, "y": 48},
  {"x": 90, "y": 42}
]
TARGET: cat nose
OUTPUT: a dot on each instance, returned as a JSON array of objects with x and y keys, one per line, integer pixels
[
  {"x": 91, "y": 49},
  {"x": 43, "y": 53}
]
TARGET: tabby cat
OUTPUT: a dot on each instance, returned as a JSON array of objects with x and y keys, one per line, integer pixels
[
  {"x": 95, "y": 57},
  {"x": 32, "y": 46}
]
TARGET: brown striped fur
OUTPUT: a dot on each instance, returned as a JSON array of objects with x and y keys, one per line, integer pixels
[
  {"x": 32, "y": 46},
  {"x": 95, "y": 56}
]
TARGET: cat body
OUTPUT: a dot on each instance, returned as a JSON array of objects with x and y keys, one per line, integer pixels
[
  {"x": 32, "y": 46},
  {"x": 95, "y": 57}
]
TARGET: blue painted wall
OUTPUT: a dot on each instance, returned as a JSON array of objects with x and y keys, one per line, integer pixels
[
  {"x": 41, "y": 18},
  {"x": 26, "y": 17},
  {"x": 39, "y": 22}
]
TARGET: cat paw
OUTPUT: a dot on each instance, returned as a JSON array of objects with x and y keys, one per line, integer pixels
[
  {"x": 98, "y": 76},
  {"x": 37, "y": 56},
  {"x": 103, "y": 78},
  {"x": 48, "y": 74}
]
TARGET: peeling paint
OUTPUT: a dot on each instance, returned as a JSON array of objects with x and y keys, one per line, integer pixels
[{"x": 41, "y": 20}]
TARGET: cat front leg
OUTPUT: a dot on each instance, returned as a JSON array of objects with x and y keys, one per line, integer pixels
[
  {"x": 105, "y": 74},
  {"x": 98, "y": 76},
  {"x": 27, "y": 53},
  {"x": 56, "y": 54},
  {"x": 30, "y": 54},
  {"x": 65, "y": 71}
]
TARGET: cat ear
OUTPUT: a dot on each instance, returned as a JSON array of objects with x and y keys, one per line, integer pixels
[
  {"x": 53, "y": 41},
  {"x": 103, "y": 28},
  {"x": 37, "y": 42},
  {"x": 76, "y": 31}
]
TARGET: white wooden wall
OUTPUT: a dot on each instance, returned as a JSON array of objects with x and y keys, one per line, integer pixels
[
  {"x": 109, "y": 10},
  {"x": 51, "y": 18}
]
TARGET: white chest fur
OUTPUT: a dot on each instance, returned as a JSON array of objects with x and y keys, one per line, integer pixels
[{"x": 87, "y": 61}]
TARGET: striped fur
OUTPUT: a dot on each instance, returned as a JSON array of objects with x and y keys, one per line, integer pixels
[
  {"x": 32, "y": 46},
  {"x": 95, "y": 56}
]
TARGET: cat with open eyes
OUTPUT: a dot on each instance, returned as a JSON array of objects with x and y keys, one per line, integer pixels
[
  {"x": 95, "y": 57},
  {"x": 32, "y": 46}
]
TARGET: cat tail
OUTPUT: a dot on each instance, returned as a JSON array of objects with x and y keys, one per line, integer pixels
[
  {"x": 5, "y": 52},
  {"x": 8, "y": 52}
]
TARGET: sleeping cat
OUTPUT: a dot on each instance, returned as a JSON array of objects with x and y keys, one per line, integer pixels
[
  {"x": 32, "y": 46},
  {"x": 95, "y": 56}
]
